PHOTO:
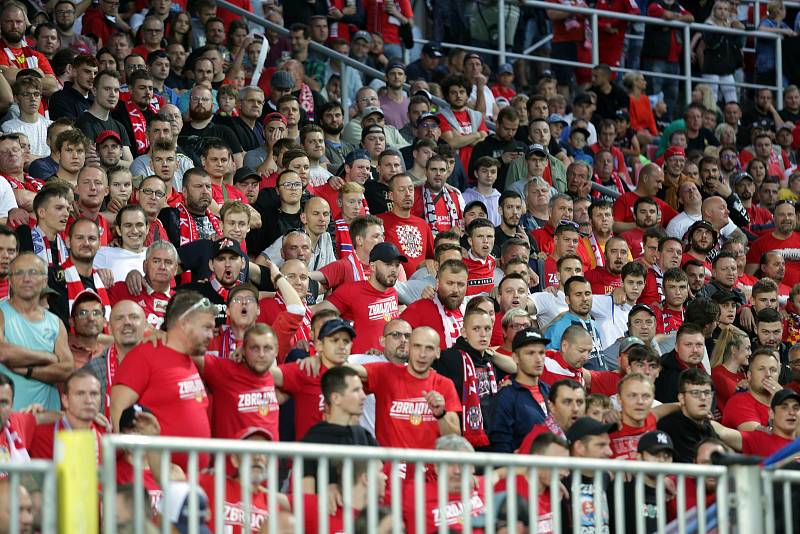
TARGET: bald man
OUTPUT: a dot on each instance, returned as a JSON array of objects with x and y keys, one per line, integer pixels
[
  {"x": 715, "y": 210},
  {"x": 316, "y": 217}
]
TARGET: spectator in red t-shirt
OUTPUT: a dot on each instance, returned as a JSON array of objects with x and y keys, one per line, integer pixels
[
  {"x": 730, "y": 356},
  {"x": 749, "y": 410},
  {"x": 462, "y": 127},
  {"x": 651, "y": 181},
  {"x": 645, "y": 215},
  {"x": 744, "y": 186},
  {"x": 479, "y": 260},
  {"x": 783, "y": 411},
  {"x": 783, "y": 240}
]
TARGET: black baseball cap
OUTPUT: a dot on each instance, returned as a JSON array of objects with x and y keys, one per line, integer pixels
[
  {"x": 784, "y": 395},
  {"x": 701, "y": 224},
  {"x": 640, "y": 307},
  {"x": 371, "y": 130},
  {"x": 724, "y": 295},
  {"x": 655, "y": 441},
  {"x": 588, "y": 426},
  {"x": 428, "y": 116},
  {"x": 739, "y": 176},
  {"x": 244, "y": 174},
  {"x": 336, "y": 325},
  {"x": 226, "y": 244},
  {"x": 356, "y": 154},
  {"x": 527, "y": 337},
  {"x": 432, "y": 50},
  {"x": 536, "y": 149},
  {"x": 127, "y": 419},
  {"x": 386, "y": 252},
  {"x": 582, "y": 98}
]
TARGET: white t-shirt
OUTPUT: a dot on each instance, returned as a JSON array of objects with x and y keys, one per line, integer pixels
[
  {"x": 36, "y": 132},
  {"x": 611, "y": 319},
  {"x": 488, "y": 97},
  {"x": 367, "y": 419},
  {"x": 318, "y": 175},
  {"x": 120, "y": 261},
  {"x": 7, "y": 199},
  {"x": 548, "y": 307},
  {"x": 679, "y": 225}
]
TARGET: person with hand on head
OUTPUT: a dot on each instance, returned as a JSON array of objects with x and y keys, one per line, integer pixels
[{"x": 749, "y": 410}]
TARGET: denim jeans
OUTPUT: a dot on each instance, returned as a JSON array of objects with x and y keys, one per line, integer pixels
[{"x": 668, "y": 85}]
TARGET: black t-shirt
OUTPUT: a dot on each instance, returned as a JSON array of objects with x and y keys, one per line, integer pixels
[
  {"x": 704, "y": 138},
  {"x": 331, "y": 434},
  {"x": 205, "y": 289},
  {"x": 377, "y": 195},
  {"x": 686, "y": 434},
  {"x": 244, "y": 134},
  {"x": 68, "y": 103},
  {"x": 193, "y": 140},
  {"x": 170, "y": 219},
  {"x": 91, "y": 126}
]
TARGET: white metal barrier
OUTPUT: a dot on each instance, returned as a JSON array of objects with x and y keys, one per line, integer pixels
[
  {"x": 491, "y": 464},
  {"x": 45, "y": 473}
]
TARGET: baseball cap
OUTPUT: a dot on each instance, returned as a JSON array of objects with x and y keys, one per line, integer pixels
[
  {"x": 426, "y": 94},
  {"x": 655, "y": 441},
  {"x": 739, "y": 176},
  {"x": 370, "y": 110},
  {"x": 386, "y": 252},
  {"x": 588, "y": 426},
  {"x": 621, "y": 114},
  {"x": 275, "y": 116},
  {"x": 432, "y": 50},
  {"x": 395, "y": 65},
  {"x": 536, "y": 149},
  {"x": 282, "y": 79},
  {"x": 226, "y": 244},
  {"x": 371, "y": 130},
  {"x": 356, "y": 154},
  {"x": 336, "y": 325},
  {"x": 175, "y": 506},
  {"x": 244, "y": 174},
  {"x": 629, "y": 342},
  {"x": 505, "y": 68},
  {"x": 254, "y": 431},
  {"x": 674, "y": 151},
  {"x": 127, "y": 419},
  {"x": 786, "y": 126},
  {"x": 640, "y": 307},
  {"x": 107, "y": 134},
  {"x": 577, "y": 129},
  {"x": 473, "y": 55},
  {"x": 698, "y": 225},
  {"x": 555, "y": 117},
  {"x": 582, "y": 98},
  {"x": 782, "y": 396},
  {"x": 526, "y": 337},
  {"x": 86, "y": 294},
  {"x": 428, "y": 116},
  {"x": 361, "y": 34},
  {"x": 723, "y": 295}
]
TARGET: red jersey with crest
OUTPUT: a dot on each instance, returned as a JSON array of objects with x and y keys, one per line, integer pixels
[
  {"x": 233, "y": 507},
  {"x": 625, "y": 440},
  {"x": 480, "y": 274},
  {"x": 411, "y": 235},
  {"x": 154, "y": 303}
]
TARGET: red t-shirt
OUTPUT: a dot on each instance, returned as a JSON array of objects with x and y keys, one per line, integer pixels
[
  {"x": 22, "y": 424},
  {"x": 758, "y": 216},
  {"x": 634, "y": 238},
  {"x": 623, "y": 209},
  {"x": 545, "y": 238},
  {"x": 724, "y": 384},
  {"x": 233, "y": 507},
  {"x": 602, "y": 281},
  {"x": 568, "y": 29},
  {"x": 743, "y": 408},
  {"x": 96, "y": 23},
  {"x": 423, "y": 312},
  {"x": 44, "y": 439},
  {"x": 443, "y": 215},
  {"x": 760, "y": 443},
  {"x": 125, "y": 476},
  {"x": 369, "y": 309},
  {"x": 378, "y": 21},
  {"x": 341, "y": 272},
  {"x": 168, "y": 383},
  {"x": 480, "y": 274},
  {"x": 454, "y": 508},
  {"x": 402, "y": 416},
  {"x": 233, "y": 194},
  {"x": 411, "y": 235},
  {"x": 652, "y": 292},
  {"x": 311, "y": 515},
  {"x": 605, "y": 382},
  {"x": 154, "y": 303},
  {"x": 550, "y": 272},
  {"x": 788, "y": 248},
  {"x": 3, "y": 287},
  {"x": 464, "y": 128},
  {"x": 44, "y": 63},
  {"x": 241, "y": 398},
  {"x": 308, "y": 401},
  {"x": 625, "y": 440},
  {"x": 746, "y": 283},
  {"x": 668, "y": 320}
]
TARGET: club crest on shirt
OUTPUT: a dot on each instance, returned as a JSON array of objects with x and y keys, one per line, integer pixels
[{"x": 410, "y": 239}]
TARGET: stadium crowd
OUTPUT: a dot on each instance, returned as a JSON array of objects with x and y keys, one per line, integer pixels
[{"x": 198, "y": 239}]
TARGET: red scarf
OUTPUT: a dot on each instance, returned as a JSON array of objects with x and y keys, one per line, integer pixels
[
  {"x": 16, "y": 448},
  {"x": 139, "y": 124},
  {"x": 304, "y": 332},
  {"x": 28, "y": 183},
  {"x": 112, "y": 363},
  {"x": 343, "y": 238},
  {"x": 306, "y": 99},
  {"x": 227, "y": 342},
  {"x": 471, "y": 414},
  {"x": 41, "y": 247},
  {"x": 75, "y": 286},
  {"x": 617, "y": 183},
  {"x": 221, "y": 291},
  {"x": 188, "y": 228},
  {"x": 156, "y": 233}
]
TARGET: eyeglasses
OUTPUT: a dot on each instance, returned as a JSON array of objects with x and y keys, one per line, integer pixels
[
  {"x": 244, "y": 300},
  {"x": 516, "y": 326},
  {"x": 398, "y": 335},
  {"x": 292, "y": 185},
  {"x": 699, "y": 393},
  {"x": 152, "y": 193},
  {"x": 203, "y": 303},
  {"x": 83, "y": 314},
  {"x": 31, "y": 273},
  {"x": 63, "y": 12}
]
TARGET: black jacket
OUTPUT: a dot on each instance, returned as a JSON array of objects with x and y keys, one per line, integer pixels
[
  {"x": 667, "y": 381},
  {"x": 722, "y": 53},
  {"x": 657, "y": 38}
]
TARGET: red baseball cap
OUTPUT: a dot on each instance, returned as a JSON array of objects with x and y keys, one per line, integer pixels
[
  {"x": 275, "y": 116},
  {"x": 255, "y": 431},
  {"x": 674, "y": 151},
  {"x": 107, "y": 134}
]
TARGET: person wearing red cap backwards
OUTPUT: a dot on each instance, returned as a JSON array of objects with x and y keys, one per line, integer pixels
[{"x": 651, "y": 181}]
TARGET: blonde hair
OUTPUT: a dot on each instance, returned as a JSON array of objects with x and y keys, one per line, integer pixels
[
  {"x": 350, "y": 187},
  {"x": 729, "y": 338},
  {"x": 234, "y": 206}
]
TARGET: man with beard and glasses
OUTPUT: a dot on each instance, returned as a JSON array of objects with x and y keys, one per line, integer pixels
[
  {"x": 87, "y": 322},
  {"x": 444, "y": 313},
  {"x": 702, "y": 239},
  {"x": 395, "y": 340},
  {"x": 9, "y": 248},
  {"x": 760, "y": 217},
  {"x": 246, "y": 125},
  {"x": 191, "y": 219},
  {"x": 370, "y": 303},
  {"x": 64, "y": 15},
  {"x": 134, "y": 112},
  {"x": 127, "y": 325},
  {"x": 165, "y": 378},
  {"x": 604, "y": 278},
  {"x": 17, "y": 54},
  {"x": 200, "y": 126},
  {"x": 332, "y": 122},
  {"x": 783, "y": 240},
  {"x": 97, "y": 118}
]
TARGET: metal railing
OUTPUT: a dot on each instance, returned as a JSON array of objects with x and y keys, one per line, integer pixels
[
  {"x": 594, "y": 473},
  {"x": 11, "y": 509}
]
